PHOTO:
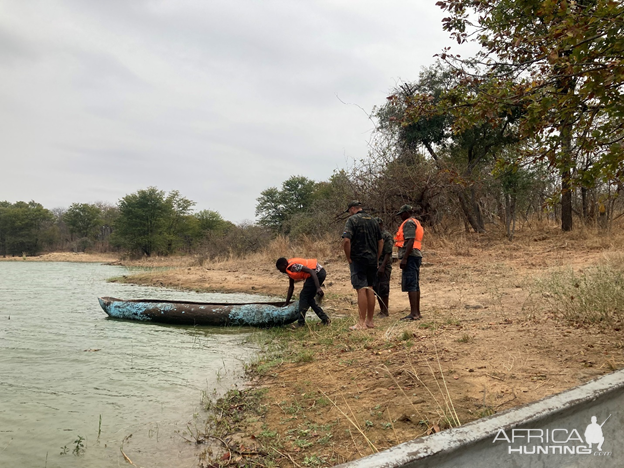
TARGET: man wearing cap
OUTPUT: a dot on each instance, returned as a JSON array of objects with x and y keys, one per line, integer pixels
[
  {"x": 409, "y": 241},
  {"x": 382, "y": 280},
  {"x": 362, "y": 244}
]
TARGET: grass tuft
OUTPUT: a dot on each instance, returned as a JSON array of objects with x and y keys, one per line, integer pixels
[
  {"x": 594, "y": 295},
  {"x": 465, "y": 338}
]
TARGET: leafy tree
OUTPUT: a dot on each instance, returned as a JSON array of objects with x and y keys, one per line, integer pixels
[
  {"x": 561, "y": 62},
  {"x": 4, "y": 206},
  {"x": 83, "y": 220},
  {"x": 24, "y": 227},
  {"x": 518, "y": 183},
  {"x": 234, "y": 240},
  {"x": 270, "y": 209},
  {"x": 275, "y": 207},
  {"x": 418, "y": 114},
  {"x": 181, "y": 226},
  {"x": 149, "y": 220},
  {"x": 61, "y": 230},
  {"x": 211, "y": 221},
  {"x": 109, "y": 215}
]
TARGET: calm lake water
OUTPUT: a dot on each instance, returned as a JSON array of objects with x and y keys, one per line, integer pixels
[{"x": 68, "y": 372}]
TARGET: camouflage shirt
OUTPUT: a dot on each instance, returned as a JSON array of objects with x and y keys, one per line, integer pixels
[
  {"x": 364, "y": 232},
  {"x": 387, "y": 249}
]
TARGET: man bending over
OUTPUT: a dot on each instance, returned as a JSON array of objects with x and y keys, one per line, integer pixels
[{"x": 313, "y": 273}]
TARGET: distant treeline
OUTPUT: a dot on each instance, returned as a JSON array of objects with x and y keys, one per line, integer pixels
[
  {"x": 152, "y": 222},
  {"x": 147, "y": 222}
]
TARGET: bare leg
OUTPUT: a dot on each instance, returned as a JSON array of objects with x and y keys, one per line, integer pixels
[
  {"x": 370, "y": 302},
  {"x": 362, "y": 309},
  {"x": 414, "y": 300}
]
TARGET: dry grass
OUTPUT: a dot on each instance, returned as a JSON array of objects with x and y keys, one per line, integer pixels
[
  {"x": 322, "y": 249},
  {"x": 594, "y": 294}
]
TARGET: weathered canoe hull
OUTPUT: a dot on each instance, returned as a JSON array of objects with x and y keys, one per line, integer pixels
[{"x": 259, "y": 314}]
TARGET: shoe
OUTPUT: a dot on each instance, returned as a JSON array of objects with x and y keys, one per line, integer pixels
[
  {"x": 296, "y": 325},
  {"x": 408, "y": 318}
]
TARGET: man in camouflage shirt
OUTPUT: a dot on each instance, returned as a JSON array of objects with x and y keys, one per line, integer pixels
[
  {"x": 382, "y": 280},
  {"x": 362, "y": 244}
]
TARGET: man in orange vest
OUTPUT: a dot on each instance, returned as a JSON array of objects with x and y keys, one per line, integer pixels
[
  {"x": 300, "y": 269},
  {"x": 409, "y": 241}
]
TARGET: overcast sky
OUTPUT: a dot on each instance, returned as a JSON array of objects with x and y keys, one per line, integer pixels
[{"x": 219, "y": 99}]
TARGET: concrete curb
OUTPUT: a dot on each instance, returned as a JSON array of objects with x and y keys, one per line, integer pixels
[{"x": 472, "y": 444}]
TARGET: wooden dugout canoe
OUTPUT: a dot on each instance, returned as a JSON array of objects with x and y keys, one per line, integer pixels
[{"x": 255, "y": 314}]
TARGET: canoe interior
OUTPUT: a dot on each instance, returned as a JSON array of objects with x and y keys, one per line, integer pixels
[{"x": 167, "y": 301}]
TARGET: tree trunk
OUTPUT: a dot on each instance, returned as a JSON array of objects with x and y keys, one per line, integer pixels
[
  {"x": 566, "y": 176},
  {"x": 566, "y": 84},
  {"x": 468, "y": 207},
  {"x": 585, "y": 204},
  {"x": 566, "y": 201},
  {"x": 476, "y": 208},
  {"x": 502, "y": 211},
  {"x": 510, "y": 212},
  {"x": 507, "y": 214}
]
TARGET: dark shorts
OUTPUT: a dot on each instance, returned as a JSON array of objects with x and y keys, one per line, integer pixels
[
  {"x": 362, "y": 274},
  {"x": 411, "y": 275},
  {"x": 382, "y": 283}
]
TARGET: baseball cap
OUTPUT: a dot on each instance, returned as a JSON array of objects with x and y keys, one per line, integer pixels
[
  {"x": 352, "y": 204},
  {"x": 405, "y": 209}
]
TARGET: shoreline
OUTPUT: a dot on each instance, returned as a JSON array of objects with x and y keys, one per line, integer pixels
[{"x": 77, "y": 257}]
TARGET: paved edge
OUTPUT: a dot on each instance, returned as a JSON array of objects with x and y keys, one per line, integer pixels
[{"x": 465, "y": 436}]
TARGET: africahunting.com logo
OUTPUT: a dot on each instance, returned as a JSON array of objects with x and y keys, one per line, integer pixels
[{"x": 555, "y": 441}]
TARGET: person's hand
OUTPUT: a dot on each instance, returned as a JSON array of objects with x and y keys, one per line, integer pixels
[
  {"x": 320, "y": 292},
  {"x": 403, "y": 263},
  {"x": 349, "y": 261},
  {"x": 381, "y": 270}
]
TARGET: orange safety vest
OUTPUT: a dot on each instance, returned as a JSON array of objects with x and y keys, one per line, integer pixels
[
  {"x": 399, "y": 240},
  {"x": 300, "y": 275}
]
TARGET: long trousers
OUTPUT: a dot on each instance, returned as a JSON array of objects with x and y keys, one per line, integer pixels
[{"x": 306, "y": 298}]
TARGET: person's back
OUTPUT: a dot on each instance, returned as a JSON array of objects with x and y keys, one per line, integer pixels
[
  {"x": 365, "y": 233},
  {"x": 362, "y": 244}
]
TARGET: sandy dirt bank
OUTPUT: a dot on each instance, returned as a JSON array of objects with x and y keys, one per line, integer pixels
[{"x": 487, "y": 342}]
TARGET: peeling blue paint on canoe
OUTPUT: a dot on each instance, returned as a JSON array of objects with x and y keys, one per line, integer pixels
[
  {"x": 258, "y": 314},
  {"x": 131, "y": 310}
]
